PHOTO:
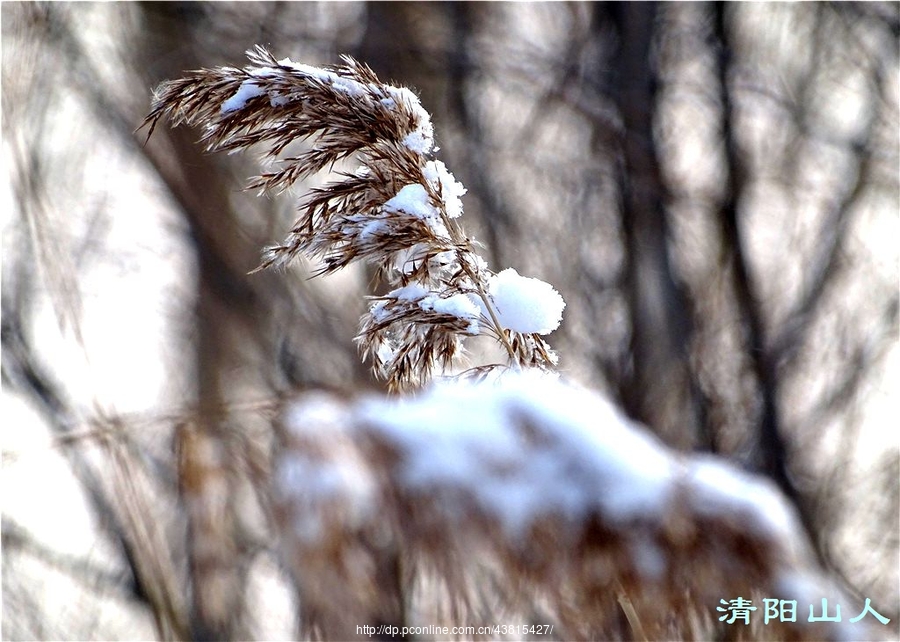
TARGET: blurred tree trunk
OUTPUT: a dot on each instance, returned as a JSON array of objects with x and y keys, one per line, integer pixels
[
  {"x": 659, "y": 389},
  {"x": 231, "y": 334},
  {"x": 770, "y": 455}
]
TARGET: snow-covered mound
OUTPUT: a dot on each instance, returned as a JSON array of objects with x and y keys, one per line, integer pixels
[{"x": 541, "y": 489}]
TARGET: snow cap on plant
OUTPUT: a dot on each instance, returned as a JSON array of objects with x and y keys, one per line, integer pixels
[{"x": 524, "y": 304}]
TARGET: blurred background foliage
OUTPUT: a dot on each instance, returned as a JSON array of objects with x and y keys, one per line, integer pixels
[{"x": 712, "y": 187}]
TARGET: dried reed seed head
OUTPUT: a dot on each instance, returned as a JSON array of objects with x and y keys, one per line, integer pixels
[{"x": 398, "y": 211}]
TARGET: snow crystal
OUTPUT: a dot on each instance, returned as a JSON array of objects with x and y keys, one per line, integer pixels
[{"x": 524, "y": 304}]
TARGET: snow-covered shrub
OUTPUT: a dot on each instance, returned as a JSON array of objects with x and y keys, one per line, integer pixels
[{"x": 527, "y": 500}]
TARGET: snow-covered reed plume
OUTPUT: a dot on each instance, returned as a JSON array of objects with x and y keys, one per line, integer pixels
[{"x": 398, "y": 209}]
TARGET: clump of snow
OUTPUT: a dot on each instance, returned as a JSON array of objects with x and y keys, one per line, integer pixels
[
  {"x": 321, "y": 482},
  {"x": 445, "y": 258},
  {"x": 421, "y": 139},
  {"x": 451, "y": 190},
  {"x": 348, "y": 86},
  {"x": 412, "y": 292},
  {"x": 412, "y": 199},
  {"x": 457, "y": 305},
  {"x": 495, "y": 460},
  {"x": 386, "y": 352},
  {"x": 717, "y": 488},
  {"x": 248, "y": 89},
  {"x": 371, "y": 228},
  {"x": 315, "y": 410},
  {"x": 278, "y": 100},
  {"x": 524, "y": 304}
]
